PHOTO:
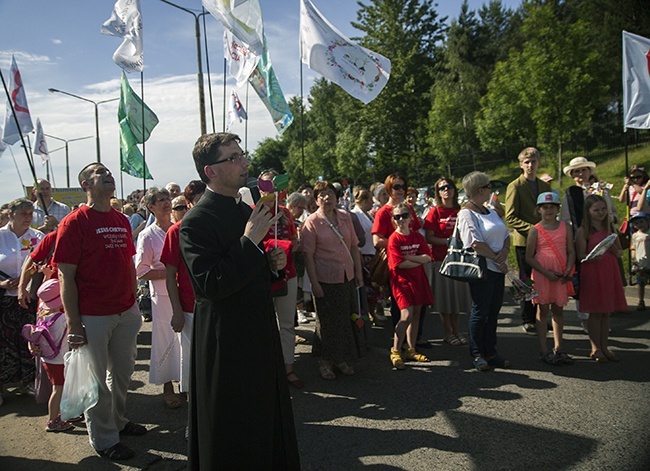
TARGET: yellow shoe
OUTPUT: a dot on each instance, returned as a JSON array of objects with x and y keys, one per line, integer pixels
[
  {"x": 411, "y": 354},
  {"x": 396, "y": 359}
]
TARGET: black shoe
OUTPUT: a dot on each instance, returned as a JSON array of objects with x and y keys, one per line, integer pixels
[
  {"x": 641, "y": 306},
  {"x": 529, "y": 328},
  {"x": 133, "y": 429},
  {"x": 117, "y": 452}
]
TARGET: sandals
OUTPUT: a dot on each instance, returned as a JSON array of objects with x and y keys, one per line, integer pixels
[
  {"x": 412, "y": 354},
  {"x": 551, "y": 358},
  {"x": 133, "y": 429},
  {"x": 297, "y": 382},
  {"x": 498, "y": 361},
  {"x": 396, "y": 359},
  {"x": 563, "y": 358},
  {"x": 453, "y": 340},
  {"x": 172, "y": 401},
  {"x": 325, "y": 370},
  {"x": 462, "y": 340},
  {"x": 117, "y": 452},
  {"x": 599, "y": 357}
]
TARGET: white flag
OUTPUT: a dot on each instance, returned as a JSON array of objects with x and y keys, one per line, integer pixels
[
  {"x": 40, "y": 145},
  {"x": 236, "y": 110},
  {"x": 636, "y": 81},
  {"x": 3, "y": 146},
  {"x": 241, "y": 61},
  {"x": 19, "y": 102},
  {"x": 126, "y": 22},
  {"x": 243, "y": 18},
  {"x": 359, "y": 71}
]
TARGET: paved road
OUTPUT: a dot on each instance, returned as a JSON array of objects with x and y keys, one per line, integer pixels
[{"x": 437, "y": 416}]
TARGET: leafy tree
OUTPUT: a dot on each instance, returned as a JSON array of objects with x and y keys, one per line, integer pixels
[{"x": 270, "y": 153}]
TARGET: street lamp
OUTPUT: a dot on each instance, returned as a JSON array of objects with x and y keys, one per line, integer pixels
[
  {"x": 67, "y": 162},
  {"x": 95, "y": 103},
  {"x": 197, "y": 32}
]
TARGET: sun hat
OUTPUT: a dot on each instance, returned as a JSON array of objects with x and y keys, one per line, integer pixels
[
  {"x": 578, "y": 162},
  {"x": 50, "y": 294},
  {"x": 548, "y": 197}
]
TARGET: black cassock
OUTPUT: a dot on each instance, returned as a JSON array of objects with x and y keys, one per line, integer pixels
[{"x": 240, "y": 408}]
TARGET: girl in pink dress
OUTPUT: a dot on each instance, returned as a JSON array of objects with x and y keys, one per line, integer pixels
[
  {"x": 601, "y": 287},
  {"x": 550, "y": 253},
  {"x": 408, "y": 252}
]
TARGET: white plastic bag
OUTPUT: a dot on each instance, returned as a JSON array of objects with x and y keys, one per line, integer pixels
[{"x": 80, "y": 390}]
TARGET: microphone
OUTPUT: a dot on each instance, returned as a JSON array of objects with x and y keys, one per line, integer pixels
[{"x": 251, "y": 184}]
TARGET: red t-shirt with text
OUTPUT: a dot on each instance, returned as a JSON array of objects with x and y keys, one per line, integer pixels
[
  {"x": 171, "y": 255},
  {"x": 384, "y": 225},
  {"x": 441, "y": 221},
  {"x": 101, "y": 246}
]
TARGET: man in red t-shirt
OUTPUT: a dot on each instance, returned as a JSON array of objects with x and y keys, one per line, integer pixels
[{"x": 94, "y": 253}]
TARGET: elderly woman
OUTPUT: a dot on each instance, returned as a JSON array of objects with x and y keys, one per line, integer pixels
[
  {"x": 165, "y": 347},
  {"x": 332, "y": 260},
  {"x": 482, "y": 229},
  {"x": 179, "y": 208},
  {"x": 17, "y": 240},
  {"x": 450, "y": 297},
  {"x": 284, "y": 231}
]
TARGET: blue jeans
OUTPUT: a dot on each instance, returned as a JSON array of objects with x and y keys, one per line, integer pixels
[{"x": 487, "y": 297}]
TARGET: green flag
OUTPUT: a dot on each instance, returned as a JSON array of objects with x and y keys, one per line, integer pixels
[
  {"x": 131, "y": 160},
  {"x": 133, "y": 130}
]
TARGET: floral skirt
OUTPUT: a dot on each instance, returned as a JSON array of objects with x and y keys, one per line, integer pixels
[{"x": 16, "y": 362}]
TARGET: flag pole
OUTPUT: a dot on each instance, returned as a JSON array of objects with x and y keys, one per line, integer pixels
[
  {"x": 246, "y": 123},
  {"x": 302, "y": 120},
  {"x": 144, "y": 160},
  {"x": 628, "y": 229},
  {"x": 22, "y": 140},
  {"x": 223, "y": 129},
  {"x": 207, "y": 64}
]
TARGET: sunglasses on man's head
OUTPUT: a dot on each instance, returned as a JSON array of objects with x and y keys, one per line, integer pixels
[
  {"x": 397, "y": 217},
  {"x": 399, "y": 187}
]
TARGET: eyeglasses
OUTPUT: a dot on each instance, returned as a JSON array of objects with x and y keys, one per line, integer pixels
[
  {"x": 164, "y": 199},
  {"x": 180, "y": 208},
  {"x": 235, "y": 158},
  {"x": 445, "y": 187},
  {"x": 397, "y": 217},
  {"x": 488, "y": 186},
  {"x": 399, "y": 187}
]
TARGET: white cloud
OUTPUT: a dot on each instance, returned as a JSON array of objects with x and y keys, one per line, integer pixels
[{"x": 57, "y": 41}]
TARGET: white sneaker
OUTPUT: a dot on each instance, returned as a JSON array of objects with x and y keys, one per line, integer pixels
[
  {"x": 302, "y": 319},
  {"x": 27, "y": 389}
]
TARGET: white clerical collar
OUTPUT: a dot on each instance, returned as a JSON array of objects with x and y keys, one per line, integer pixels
[{"x": 236, "y": 198}]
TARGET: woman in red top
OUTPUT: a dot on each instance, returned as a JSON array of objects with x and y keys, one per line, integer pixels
[
  {"x": 285, "y": 306},
  {"x": 384, "y": 225},
  {"x": 408, "y": 252},
  {"x": 451, "y": 297}
]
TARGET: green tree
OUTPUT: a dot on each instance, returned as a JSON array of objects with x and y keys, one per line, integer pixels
[
  {"x": 549, "y": 89},
  {"x": 270, "y": 153}
]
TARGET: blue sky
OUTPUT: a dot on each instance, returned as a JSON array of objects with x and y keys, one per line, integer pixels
[{"x": 57, "y": 44}]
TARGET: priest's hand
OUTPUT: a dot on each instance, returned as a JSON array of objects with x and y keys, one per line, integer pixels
[
  {"x": 277, "y": 259},
  {"x": 259, "y": 223}
]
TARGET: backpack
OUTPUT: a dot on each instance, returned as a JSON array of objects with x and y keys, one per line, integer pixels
[{"x": 39, "y": 336}]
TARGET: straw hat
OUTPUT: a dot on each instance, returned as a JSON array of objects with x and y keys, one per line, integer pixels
[{"x": 578, "y": 162}]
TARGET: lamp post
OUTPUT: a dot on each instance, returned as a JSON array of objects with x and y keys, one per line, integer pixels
[
  {"x": 95, "y": 103},
  {"x": 67, "y": 161},
  {"x": 197, "y": 30}
]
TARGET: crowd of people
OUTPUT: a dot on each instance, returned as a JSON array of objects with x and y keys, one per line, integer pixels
[{"x": 220, "y": 264}]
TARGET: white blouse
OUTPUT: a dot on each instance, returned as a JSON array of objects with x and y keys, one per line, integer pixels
[
  {"x": 14, "y": 250},
  {"x": 488, "y": 228}
]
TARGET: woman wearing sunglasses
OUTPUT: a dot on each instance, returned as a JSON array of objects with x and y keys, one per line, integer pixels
[
  {"x": 450, "y": 297},
  {"x": 635, "y": 190},
  {"x": 482, "y": 229},
  {"x": 408, "y": 253}
]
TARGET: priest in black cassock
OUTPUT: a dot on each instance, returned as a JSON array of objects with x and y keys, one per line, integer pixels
[{"x": 240, "y": 409}]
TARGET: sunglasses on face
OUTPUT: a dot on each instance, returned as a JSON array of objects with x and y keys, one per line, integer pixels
[
  {"x": 636, "y": 177},
  {"x": 180, "y": 208},
  {"x": 399, "y": 187},
  {"x": 397, "y": 217},
  {"x": 445, "y": 187}
]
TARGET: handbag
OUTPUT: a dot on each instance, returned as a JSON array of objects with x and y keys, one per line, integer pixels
[
  {"x": 378, "y": 269},
  {"x": 462, "y": 264}
]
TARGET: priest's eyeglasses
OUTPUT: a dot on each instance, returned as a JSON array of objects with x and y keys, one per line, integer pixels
[{"x": 238, "y": 158}]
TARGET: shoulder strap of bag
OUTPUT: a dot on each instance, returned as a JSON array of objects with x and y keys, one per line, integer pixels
[
  {"x": 549, "y": 241},
  {"x": 338, "y": 234}
]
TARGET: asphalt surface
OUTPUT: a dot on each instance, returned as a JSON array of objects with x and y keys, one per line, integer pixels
[{"x": 441, "y": 415}]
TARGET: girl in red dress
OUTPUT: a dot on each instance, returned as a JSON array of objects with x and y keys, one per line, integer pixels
[
  {"x": 601, "y": 286},
  {"x": 408, "y": 252}
]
